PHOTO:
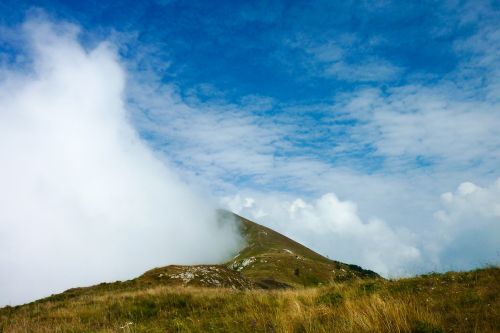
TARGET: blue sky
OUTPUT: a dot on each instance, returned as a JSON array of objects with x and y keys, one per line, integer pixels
[
  {"x": 379, "y": 110},
  {"x": 284, "y": 50}
]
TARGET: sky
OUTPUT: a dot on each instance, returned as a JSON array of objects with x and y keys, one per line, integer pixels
[{"x": 366, "y": 130}]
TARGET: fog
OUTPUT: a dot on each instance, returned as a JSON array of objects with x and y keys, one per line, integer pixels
[{"x": 82, "y": 198}]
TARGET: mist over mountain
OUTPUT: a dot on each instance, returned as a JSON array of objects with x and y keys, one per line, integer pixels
[{"x": 83, "y": 198}]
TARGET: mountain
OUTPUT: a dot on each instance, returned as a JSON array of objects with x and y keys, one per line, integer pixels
[
  {"x": 269, "y": 260},
  {"x": 262, "y": 289}
]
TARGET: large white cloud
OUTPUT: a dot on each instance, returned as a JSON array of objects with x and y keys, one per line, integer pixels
[
  {"x": 82, "y": 198},
  {"x": 467, "y": 230}
]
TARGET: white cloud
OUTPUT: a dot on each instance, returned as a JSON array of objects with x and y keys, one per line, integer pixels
[
  {"x": 467, "y": 227},
  {"x": 470, "y": 207},
  {"x": 83, "y": 199}
]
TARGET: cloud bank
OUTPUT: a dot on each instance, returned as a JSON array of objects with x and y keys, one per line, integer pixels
[
  {"x": 468, "y": 224},
  {"x": 83, "y": 199}
]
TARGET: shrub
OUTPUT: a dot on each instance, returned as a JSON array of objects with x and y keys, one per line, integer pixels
[
  {"x": 426, "y": 327},
  {"x": 330, "y": 298},
  {"x": 369, "y": 287},
  {"x": 144, "y": 309}
]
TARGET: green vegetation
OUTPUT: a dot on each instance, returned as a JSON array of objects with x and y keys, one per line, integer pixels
[
  {"x": 273, "y": 285},
  {"x": 330, "y": 298}
]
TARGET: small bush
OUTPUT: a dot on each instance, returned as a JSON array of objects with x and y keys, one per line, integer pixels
[
  {"x": 114, "y": 312},
  {"x": 312, "y": 280},
  {"x": 369, "y": 287},
  {"x": 299, "y": 328},
  {"x": 470, "y": 298},
  {"x": 144, "y": 309},
  {"x": 426, "y": 327},
  {"x": 331, "y": 298}
]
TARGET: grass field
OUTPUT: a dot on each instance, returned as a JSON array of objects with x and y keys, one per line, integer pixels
[{"x": 451, "y": 302}]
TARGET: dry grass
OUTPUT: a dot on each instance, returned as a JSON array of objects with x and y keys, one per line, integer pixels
[{"x": 452, "y": 302}]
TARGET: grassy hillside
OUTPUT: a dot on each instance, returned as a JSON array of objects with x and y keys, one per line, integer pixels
[
  {"x": 272, "y": 260},
  {"x": 452, "y": 302}
]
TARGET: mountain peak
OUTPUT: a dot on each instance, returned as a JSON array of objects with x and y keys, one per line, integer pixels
[{"x": 272, "y": 260}]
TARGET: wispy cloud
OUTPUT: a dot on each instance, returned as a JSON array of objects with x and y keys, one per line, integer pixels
[
  {"x": 345, "y": 58},
  {"x": 418, "y": 125}
]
